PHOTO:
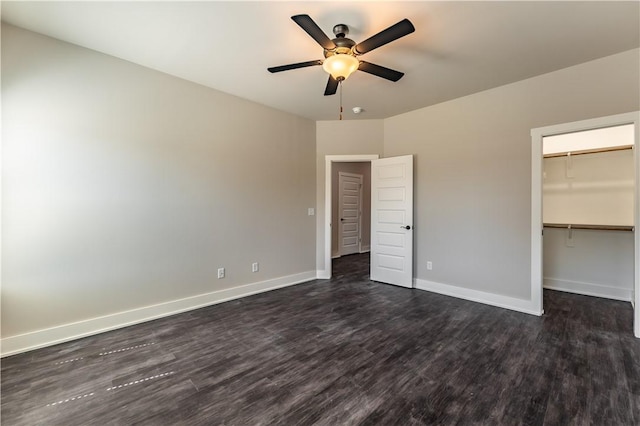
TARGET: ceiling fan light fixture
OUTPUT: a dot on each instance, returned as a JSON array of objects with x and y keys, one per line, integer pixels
[
  {"x": 341, "y": 52},
  {"x": 340, "y": 65}
]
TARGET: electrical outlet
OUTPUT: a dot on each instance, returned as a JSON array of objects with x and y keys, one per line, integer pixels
[
  {"x": 311, "y": 211},
  {"x": 429, "y": 265},
  {"x": 220, "y": 273},
  {"x": 255, "y": 267}
]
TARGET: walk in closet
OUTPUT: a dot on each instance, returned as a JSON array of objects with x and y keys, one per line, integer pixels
[{"x": 588, "y": 212}]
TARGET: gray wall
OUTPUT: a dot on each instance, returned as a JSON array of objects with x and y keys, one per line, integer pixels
[
  {"x": 473, "y": 168},
  {"x": 125, "y": 187},
  {"x": 363, "y": 169}
]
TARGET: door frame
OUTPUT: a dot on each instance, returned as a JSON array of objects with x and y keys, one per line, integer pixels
[
  {"x": 329, "y": 160},
  {"x": 360, "y": 194},
  {"x": 537, "y": 135}
]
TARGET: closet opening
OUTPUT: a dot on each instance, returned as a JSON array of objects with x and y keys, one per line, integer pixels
[
  {"x": 588, "y": 212},
  {"x": 585, "y": 209}
]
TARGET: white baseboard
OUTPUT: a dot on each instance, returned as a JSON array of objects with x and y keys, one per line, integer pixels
[
  {"x": 38, "y": 339},
  {"x": 323, "y": 274},
  {"x": 512, "y": 303},
  {"x": 365, "y": 249},
  {"x": 588, "y": 289}
]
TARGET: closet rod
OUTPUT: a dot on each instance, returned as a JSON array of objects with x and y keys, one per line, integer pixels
[
  {"x": 593, "y": 227},
  {"x": 589, "y": 151}
]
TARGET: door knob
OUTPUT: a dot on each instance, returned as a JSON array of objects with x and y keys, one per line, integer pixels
[
  {"x": 341, "y": 219},
  {"x": 406, "y": 227}
]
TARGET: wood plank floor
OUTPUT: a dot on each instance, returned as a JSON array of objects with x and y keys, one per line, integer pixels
[{"x": 341, "y": 352}]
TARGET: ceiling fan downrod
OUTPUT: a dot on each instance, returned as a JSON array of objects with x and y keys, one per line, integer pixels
[{"x": 340, "y": 80}]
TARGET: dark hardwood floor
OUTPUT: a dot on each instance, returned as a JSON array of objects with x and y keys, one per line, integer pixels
[{"x": 341, "y": 352}]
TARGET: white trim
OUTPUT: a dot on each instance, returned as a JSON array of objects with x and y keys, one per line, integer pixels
[
  {"x": 636, "y": 220},
  {"x": 536, "y": 198},
  {"x": 365, "y": 249},
  {"x": 321, "y": 275},
  {"x": 589, "y": 289},
  {"x": 66, "y": 332},
  {"x": 329, "y": 159},
  {"x": 536, "y": 222},
  {"x": 506, "y": 302}
]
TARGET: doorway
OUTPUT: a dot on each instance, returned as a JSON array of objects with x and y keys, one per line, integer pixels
[
  {"x": 537, "y": 218},
  {"x": 351, "y": 208},
  {"x": 331, "y": 234},
  {"x": 391, "y": 230}
]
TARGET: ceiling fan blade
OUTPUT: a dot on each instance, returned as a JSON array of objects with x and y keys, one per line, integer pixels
[
  {"x": 392, "y": 33},
  {"x": 380, "y": 71},
  {"x": 308, "y": 24},
  {"x": 332, "y": 87},
  {"x": 294, "y": 66}
]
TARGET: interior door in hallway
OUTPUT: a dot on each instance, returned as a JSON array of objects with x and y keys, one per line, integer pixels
[
  {"x": 350, "y": 210},
  {"x": 392, "y": 220}
]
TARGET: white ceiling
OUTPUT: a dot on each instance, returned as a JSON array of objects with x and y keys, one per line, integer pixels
[{"x": 458, "y": 48}]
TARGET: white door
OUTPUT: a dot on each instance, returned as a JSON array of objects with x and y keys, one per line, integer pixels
[
  {"x": 349, "y": 210},
  {"x": 392, "y": 220}
]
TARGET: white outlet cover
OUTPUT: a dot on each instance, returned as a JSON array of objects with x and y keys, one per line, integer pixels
[{"x": 311, "y": 211}]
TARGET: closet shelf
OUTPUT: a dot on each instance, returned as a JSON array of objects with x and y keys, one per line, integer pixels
[
  {"x": 592, "y": 227},
  {"x": 589, "y": 151}
]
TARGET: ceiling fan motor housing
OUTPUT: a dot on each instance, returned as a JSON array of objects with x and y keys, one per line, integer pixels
[
  {"x": 340, "y": 30},
  {"x": 343, "y": 44}
]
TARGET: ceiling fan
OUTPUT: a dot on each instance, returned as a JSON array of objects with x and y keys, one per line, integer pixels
[{"x": 341, "y": 53}]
